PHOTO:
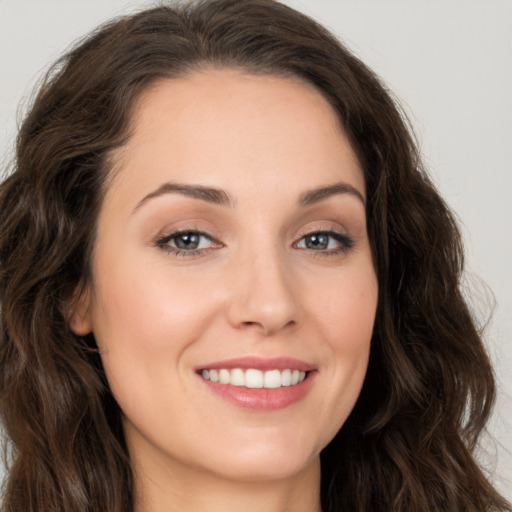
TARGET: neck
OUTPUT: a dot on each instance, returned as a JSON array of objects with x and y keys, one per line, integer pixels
[{"x": 187, "y": 490}]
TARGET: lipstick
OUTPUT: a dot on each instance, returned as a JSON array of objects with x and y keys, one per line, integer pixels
[{"x": 263, "y": 384}]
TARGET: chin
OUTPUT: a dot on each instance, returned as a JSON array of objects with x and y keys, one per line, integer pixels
[{"x": 264, "y": 461}]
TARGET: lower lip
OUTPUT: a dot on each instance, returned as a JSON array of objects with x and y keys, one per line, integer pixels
[{"x": 262, "y": 399}]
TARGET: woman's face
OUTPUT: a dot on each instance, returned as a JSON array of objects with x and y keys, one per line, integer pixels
[{"x": 232, "y": 247}]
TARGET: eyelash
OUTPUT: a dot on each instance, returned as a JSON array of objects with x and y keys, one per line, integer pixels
[
  {"x": 345, "y": 243},
  {"x": 163, "y": 243}
]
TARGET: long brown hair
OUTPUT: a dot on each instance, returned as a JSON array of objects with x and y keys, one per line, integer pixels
[{"x": 408, "y": 444}]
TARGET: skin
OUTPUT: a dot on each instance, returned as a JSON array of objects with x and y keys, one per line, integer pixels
[{"x": 255, "y": 287}]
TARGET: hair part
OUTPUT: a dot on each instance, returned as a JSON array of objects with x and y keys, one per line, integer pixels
[{"x": 409, "y": 443}]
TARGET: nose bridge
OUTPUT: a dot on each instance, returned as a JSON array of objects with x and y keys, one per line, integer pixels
[{"x": 263, "y": 295}]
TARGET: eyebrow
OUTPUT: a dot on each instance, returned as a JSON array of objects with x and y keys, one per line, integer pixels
[
  {"x": 208, "y": 194},
  {"x": 319, "y": 194},
  {"x": 222, "y": 198}
]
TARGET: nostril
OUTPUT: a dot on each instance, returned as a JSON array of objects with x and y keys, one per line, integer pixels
[{"x": 267, "y": 326}]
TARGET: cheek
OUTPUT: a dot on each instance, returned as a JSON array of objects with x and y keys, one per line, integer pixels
[
  {"x": 147, "y": 316},
  {"x": 345, "y": 308},
  {"x": 143, "y": 326},
  {"x": 345, "y": 318},
  {"x": 351, "y": 318},
  {"x": 144, "y": 310}
]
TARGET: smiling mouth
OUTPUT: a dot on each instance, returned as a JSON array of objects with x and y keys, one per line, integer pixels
[{"x": 253, "y": 378}]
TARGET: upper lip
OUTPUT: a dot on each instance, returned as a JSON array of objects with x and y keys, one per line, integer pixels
[{"x": 260, "y": 363}]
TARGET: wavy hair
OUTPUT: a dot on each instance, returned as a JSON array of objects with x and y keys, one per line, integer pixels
[{"x": 408, "y": 444}]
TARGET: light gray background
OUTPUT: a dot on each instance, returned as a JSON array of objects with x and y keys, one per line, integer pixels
[{"x": 448, "y": 61}]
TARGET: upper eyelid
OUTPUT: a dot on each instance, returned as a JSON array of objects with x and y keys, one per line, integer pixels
[
  {"x": 331, "y": 233},
  {"x": 170, "y": 233},
  {"x": 342, "y": 237},
  {"x": 332, "y": 229},
  {"x": 322, "y": 229},
  {"x": 179, "y": 232},
  {"x": 163, "y": 244},
  {"x": 188, "y": 228}
]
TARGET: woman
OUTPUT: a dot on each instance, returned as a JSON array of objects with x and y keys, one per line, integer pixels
[{"x": 220, "y": 287}]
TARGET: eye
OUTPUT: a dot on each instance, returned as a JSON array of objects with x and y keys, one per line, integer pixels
[
  {"x": 186, "y": 243},
  {"x": 330, "y": 242}
]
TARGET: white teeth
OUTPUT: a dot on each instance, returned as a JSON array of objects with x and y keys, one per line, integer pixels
[
  {"x": 255, "y": 379},
  {"x": 286, "y": 378},
  {"x": 224, "y": 376},
  {"x": 272, "y": 379},
  {"x": 237, "y": 377}
]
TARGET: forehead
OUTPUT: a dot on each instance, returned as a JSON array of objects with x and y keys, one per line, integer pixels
[{"x": 218, "y": 125}]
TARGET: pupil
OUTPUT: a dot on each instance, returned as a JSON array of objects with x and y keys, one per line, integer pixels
[
  {"x": 317, "y": 241},
  {"x": 187, "y": 241}
]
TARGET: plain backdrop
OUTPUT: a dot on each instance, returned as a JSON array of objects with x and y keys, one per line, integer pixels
[{"x": 450, "y": 64}]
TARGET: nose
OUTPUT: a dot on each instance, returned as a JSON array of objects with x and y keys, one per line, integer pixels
[{"x": 262, "y": 294}]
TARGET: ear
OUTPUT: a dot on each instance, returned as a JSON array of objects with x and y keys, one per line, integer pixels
[{"x": 78, "y": 312}]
